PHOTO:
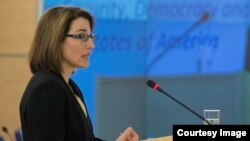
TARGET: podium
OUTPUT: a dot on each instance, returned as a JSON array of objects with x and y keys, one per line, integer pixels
[{"x": 165, "y": 138}]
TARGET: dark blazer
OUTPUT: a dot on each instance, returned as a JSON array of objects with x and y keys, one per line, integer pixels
[{"x": 49, "y": 110}]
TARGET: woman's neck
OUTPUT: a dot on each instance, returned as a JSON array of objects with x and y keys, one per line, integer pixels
[
  {"x": 65, "y": 76},
  {"x": 66, "y": 72}
]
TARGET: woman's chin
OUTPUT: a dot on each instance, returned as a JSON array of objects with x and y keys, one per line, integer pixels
[{"x": 85, "y": 65}]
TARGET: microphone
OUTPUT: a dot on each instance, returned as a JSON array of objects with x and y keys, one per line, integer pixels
[
  {"x": 204, "y": 17},
  {"x": 155, "y": 86},
  {"x": 4, "y": 128},
  {"x": 201, "y": 20}
]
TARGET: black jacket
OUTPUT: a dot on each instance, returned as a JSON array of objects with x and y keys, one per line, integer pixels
[{"x": 49, "y": 110}]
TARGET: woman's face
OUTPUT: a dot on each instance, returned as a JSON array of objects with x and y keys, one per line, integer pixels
[{"x": 76, "y": 52}]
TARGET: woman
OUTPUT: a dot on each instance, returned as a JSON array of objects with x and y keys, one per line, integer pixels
[{"x": 52, "y": 107}]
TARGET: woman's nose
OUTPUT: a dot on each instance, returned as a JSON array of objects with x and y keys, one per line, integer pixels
[{"x": 91, "y": 43}]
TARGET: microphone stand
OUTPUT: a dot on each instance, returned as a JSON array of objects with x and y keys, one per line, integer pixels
[
  {"x": 7, "y": 132},
  {"x": 199, "y": 116},
  {"x": 177, "y": 40}
]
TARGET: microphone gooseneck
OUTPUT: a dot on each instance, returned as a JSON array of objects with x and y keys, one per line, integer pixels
[
  {"x": 204, "y": 17},
  {"x": 5, "y": 130},
  {"x": 155, "y": 86}
]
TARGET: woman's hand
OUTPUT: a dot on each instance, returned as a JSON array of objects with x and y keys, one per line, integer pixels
[{"x": 128, "y": 135}]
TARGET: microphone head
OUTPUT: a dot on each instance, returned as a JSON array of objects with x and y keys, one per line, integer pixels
[
  {"x": 204, "y": 17},
  {"x": 5, "y": 129},
  {"x": 152, "y": 84}
]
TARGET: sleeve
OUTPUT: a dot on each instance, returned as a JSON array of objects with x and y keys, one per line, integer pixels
[{"x": 45, "y": 112}]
